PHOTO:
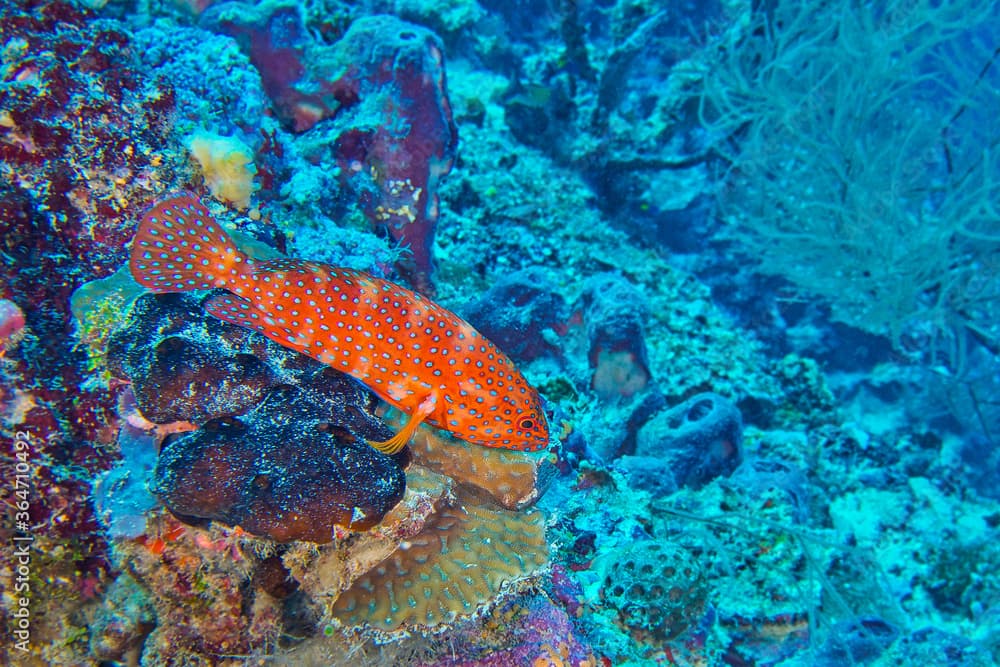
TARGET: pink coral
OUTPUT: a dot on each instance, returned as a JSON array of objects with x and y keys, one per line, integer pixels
[{"x": 11, "y": 325}]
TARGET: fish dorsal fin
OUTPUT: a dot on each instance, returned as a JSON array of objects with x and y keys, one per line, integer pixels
[{"x": 398, "y": 441}]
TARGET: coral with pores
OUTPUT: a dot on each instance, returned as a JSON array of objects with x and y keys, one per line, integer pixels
[{"x": 658, "y": 589}]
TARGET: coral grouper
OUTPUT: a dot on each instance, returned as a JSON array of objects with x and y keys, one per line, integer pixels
[{"x": 414, "y": 354}]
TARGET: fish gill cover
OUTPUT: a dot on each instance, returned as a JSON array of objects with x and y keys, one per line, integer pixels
[{"x": 742, "y": 258}]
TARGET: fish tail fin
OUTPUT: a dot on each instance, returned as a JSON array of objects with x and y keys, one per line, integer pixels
[{"x": 180, "y": 247}]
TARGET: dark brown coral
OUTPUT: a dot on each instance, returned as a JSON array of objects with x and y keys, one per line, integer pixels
[{"x": 281, "y": 449}]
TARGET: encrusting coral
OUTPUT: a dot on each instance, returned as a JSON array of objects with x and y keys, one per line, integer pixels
[{"x": 444, "y": 555}]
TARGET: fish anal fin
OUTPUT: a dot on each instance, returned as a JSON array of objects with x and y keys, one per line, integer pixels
[
  {"x": 235, "y": 310},
  {"x": 394, "y": 444}
]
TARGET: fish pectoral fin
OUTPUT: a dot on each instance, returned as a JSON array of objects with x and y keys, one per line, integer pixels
[{"x": 398, "y": 441}]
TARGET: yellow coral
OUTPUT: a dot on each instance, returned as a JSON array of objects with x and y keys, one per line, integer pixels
[
  {"x": 227, "y": 166},
  {"x": 463, "y": 559}
]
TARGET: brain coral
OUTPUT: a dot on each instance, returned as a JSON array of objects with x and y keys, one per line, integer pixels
[
  {"x": 465, "y": 556},
  {"x": 657, "y": 588}
]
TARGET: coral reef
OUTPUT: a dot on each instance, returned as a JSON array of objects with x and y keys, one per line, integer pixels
[
  {"x": 200, "y": 582},
  {"x": 121, "y": 624},
  {"x": 733, "y": 477},
  {"x": 527, "y": 630},
  {"x": 82, "y": 136},
  {"x": 276, "y": 444},
  {"x": 213, "y": 82},
  {"x": 275, "y": 38}
]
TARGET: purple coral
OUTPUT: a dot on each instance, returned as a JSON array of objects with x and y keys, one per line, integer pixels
[{"x": 384, "y": 84}]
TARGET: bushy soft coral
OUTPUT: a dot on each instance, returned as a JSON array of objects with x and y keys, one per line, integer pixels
[{"x": 901, "y": 256}]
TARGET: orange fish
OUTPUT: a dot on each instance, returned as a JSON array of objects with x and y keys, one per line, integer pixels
[{"x": 414, "y": 354}]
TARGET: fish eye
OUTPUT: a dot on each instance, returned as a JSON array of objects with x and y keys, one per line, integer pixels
[{"x": 527, "y": 424}]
